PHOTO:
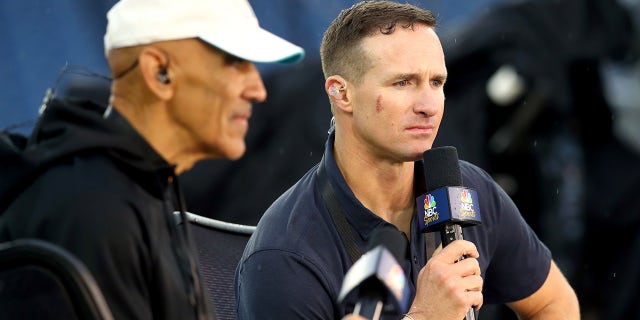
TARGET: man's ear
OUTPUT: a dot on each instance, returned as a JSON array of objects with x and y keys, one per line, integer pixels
[
  {"x": 337, "y": 90},
  {"x": 156, "y": 72}
]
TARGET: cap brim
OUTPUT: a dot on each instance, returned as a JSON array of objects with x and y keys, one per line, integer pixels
[{"x": 256, "y": 45}]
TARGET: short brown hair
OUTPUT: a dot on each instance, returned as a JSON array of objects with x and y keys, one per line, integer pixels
[{"x": 340, "y": 50}]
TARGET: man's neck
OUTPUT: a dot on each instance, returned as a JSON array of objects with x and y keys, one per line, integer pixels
[
  {"x": 161, "y": 134},
  {"x": 383, "y": 187}
]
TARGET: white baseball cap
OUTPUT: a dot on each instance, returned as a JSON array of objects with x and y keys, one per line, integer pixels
[{"x": 230, "y": 25}]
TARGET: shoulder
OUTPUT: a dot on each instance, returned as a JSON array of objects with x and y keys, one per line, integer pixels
[
  {"x": 290, "y": 216},
  {"x": 489, "y": 191},
  {"x": 85, "y": 205},
  {"x": 296, "y": 221},
  {"x": 297, "y": 231},
  {"x": 92, "y": 192},
  {"x": 473, "y": 175},
  {"x": 505, "y": 241}
]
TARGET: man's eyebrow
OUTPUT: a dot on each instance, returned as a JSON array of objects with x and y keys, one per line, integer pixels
[
  {"x": 442, "y": 77},
  {"x": 410, "y": 75},
  {"x": 405, "y": 75}
]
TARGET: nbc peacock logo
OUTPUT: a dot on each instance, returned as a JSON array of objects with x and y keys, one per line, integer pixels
[
  {"x": 465, "y": 196},
  {"x": 429, "y": 202},
  {"x": 466, "y": 205},
  {"x": 430, "y": 213}
]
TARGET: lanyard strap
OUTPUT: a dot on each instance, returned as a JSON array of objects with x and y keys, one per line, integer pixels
[
  {"x": 338, "y": 216},
  {"x": 342, "y": 226}
]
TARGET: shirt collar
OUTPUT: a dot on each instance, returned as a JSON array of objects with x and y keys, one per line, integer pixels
[{"x": 362, "y": 219}]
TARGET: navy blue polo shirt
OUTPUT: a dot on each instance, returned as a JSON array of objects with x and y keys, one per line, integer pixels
[{"x": 295, "y": 262}]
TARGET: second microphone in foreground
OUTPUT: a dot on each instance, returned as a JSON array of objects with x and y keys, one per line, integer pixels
[{"x": 377, "y": 279}]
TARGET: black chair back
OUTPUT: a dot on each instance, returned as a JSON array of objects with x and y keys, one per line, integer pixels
[
  {"x": 220, "y": 245},
  {"x": 40, "y": 280}
]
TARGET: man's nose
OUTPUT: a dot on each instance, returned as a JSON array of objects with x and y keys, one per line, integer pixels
[
  {"x": 255, "y": 90},
  {"x": 429, "y": 101}
]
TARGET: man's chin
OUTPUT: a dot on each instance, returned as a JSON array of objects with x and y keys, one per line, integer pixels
[
  {"x": 235, "y": 152},
  {"x": 418, "y": 153}
]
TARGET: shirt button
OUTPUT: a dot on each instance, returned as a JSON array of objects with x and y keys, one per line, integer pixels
[{"x": 415, "y": 259}]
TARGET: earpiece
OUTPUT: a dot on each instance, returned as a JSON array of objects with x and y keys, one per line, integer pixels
[
  {"x": 162, "y": 76},
  {"x": 335, "y": 91}
]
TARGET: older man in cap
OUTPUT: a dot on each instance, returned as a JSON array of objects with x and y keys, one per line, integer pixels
[{"x": 103, "y": 183}]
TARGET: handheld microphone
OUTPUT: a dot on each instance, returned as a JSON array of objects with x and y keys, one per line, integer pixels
[
  {"x": 447, "y": 206},
  {"x": 377, "y": 279}
]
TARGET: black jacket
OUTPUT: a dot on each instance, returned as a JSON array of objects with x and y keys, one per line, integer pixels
[{"x": 97, "y": 188}]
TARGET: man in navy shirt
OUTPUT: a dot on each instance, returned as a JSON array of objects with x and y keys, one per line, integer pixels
[{"x": 385, "y": 71}]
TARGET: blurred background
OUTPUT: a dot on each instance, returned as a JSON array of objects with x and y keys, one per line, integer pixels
[{"x": 543, "y": 94}]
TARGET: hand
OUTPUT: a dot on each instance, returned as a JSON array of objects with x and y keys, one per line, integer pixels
[
  {"x": 353, "y": 317},
  {"x": 446, "y": 289}
]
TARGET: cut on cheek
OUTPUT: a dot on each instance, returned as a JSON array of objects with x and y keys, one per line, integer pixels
[{"x": 379, "y": 104}]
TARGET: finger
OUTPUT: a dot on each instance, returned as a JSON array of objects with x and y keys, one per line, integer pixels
[
  {"x": 471, "y": 297},
  {"x": 475, "y": 299},
  {"x": 469, "y": 267},
  {"x": 457, "y": 249},
  {"x": 438, "y": 249},
  {"x": 473, "y": 283}
]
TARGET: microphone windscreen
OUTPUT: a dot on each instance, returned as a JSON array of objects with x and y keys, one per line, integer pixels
[
  {"x": 441, "y": 168},
  {"x": 392, "y": 239}
]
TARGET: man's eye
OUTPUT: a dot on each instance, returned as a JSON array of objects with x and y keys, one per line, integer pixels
[{"x": 402, "y": 83}]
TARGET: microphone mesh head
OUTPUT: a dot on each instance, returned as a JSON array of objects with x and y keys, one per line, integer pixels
[
  {"x": 441, "y": 168},
  {"x": 392, "y": 239}
]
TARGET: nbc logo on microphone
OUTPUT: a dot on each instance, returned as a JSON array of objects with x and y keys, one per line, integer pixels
[
  {"x": 466, "y": 205},
  {"x": 430, "y": 213}
]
